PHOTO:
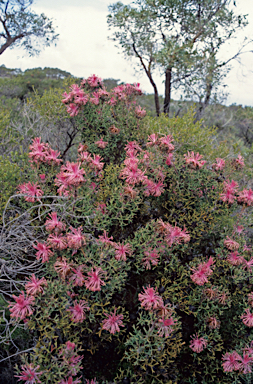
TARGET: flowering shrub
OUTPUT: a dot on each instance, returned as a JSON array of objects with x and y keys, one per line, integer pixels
[{"x": 147, "y": 269}]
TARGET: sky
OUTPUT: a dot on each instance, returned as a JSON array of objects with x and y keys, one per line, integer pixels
[{"x": 84, "y": 49}]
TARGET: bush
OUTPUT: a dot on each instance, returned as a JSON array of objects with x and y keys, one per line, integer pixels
[{"x": 142, "y": 249}]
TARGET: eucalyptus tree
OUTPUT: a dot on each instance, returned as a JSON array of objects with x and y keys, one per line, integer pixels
[
  {"x": 176, "y": 37},
  {"x": 21, "y": 27}
]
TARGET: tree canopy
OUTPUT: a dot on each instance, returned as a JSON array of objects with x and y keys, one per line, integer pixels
[
  {"x": 21, "y": 27},
  {"x": 180, "y": 38}
]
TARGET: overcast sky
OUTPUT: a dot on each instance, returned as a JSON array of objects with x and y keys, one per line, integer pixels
[{"x": 83, "y": 48}]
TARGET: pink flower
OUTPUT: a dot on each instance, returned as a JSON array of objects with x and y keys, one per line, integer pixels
[
  {"x": 175, "y": 235},
  {"x": 150, "y": 299},
  {"x": 122, "y": 250},
  {"x": 78, "y": 311},
  {"x": 62, "y": 267},
  {"x": 93, "y": 381},
  {"x": 38, "y": 150},
  {"x": 234, "y": 258},
  {"x": 213, "y": 323},
  {"x": 44, "y": 252},
  {"x": 239, "y": 162},
  {"x": 32, "y": 191},
  {"x": 152, "y": 257},
  {"x": 198, "y": 344},
  {"x": 93, "y": 283},
  {"x": 112, "y": 101},
  {"x": 81, "y": 97},
  {"x": 75, "y": 239},
  {"x": 140, "y": 112},
  {"x": 245, "y": 365},
  {"x": 54, "y": 224},
  {"x": 200, "y": 274},
  {"x": 169, "y": 159},
  {"x": 78, "y": 277},
  {"x": 22, "y": 307},
  {"x": 193, "y": 160},
  {"x": 250, "y": 298},
  {"x": 229, "y": 190},
  {"x": 95, "y": 99},
  {"x": 73, "y": 173},
  {"x": 35, "y": 286},
  {"x": 96, "y": 163},
  {"x": 29, "y": 374},
  {"x": 101, "y": 144},
  {"x": 70, "y": 381},
  {"x": 165, "y": 326},
  {"x": 42, "y": 177},
  {"x": 165, "y": 142},
  {"x": 105, "y": 239},
  {"x": 248, "y": 264},
  {"x": 67, "y": 97},
  {"x": 94, "y": 81},
  {"x": 153, "y": 140},
  {"x": 231, "y": 244},
  {"x": 113, "y": 322},
  {"x": 247, "y": 318},
  {"x": 132, "y": 174},
  {"x": 51, "y": 157},
  {"x": 231, "y": 361},
  {"x": 219, "y": 165},
  {"x": 246, "y": 197},
  {"x": 57, "y": 241},
  {"x": 72, "y": 110}
]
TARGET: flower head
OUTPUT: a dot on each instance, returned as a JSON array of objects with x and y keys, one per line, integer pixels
[
  {"x": 31, "y": 191},
  {"x": 93, "y": 282},
  {"x": 53, "y": 224},
  {"x": 197, "y": 344},
  {"x": 150, "y": 299},
  {"x": 75, "y": 239},
  {"x": 44, "y": 252},
  {"x": 121, "y": 251},
  {"x": 29, "y": 374},
  {"x": 230, "y": 244},
  {"x": 194, "y": 160},
  {"x": 62, "y": 267},
  {"x": 113, "y": 322},
  {"x": 165, "y": 326},
  {"x": 219, "y": 165},
  {"x": 22, "y": 308},
  {"x": 35, "y": 286},
  {"x": 78, "y": 311},
  {"x": 231, "y": 361},
  {"x": 247, "y": 318},
  {"x": 246, "y": 197}
]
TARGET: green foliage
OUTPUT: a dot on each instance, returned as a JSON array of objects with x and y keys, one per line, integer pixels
[
  {"x": 21, "y": 27},
  {"x": 165, "y": 208}
]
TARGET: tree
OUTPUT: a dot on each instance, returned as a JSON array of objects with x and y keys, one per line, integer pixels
[
  {"x": 21, "y": 27},
  {"x": 174, "y": 36}
]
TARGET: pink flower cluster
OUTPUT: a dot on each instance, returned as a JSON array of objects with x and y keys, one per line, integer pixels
[
  {"x": 31, "y": 191},
  {"x": 113, "y": 322},
  {"x": 29, "y": 374},
  {"x": 201, "y": 273},
  {"x": 92, "y": 91},
  {"x": 42, "y": 153},
  {"x": 152, "y": 301},
  {"x": 230, "y": 191},
  {"x": 70, "y": 360},
  {"x": 197, "y": 344},
  {"x": 194, "y": 160},
  {"x": 172, "y": 235},
  {"x": 233, "y": 361}
]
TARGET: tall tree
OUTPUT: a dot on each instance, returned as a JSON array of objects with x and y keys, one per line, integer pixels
[
  {"x": 173, "y": 36},
  {"x": 20, "y": 26}
]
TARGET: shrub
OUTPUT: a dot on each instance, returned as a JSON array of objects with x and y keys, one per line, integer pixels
[{"x": 144, "y": 252}]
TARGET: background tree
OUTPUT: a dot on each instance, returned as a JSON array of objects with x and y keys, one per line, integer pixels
[
  {"x": 21, "y": 27},
  {"x": 175, "y": 36}
]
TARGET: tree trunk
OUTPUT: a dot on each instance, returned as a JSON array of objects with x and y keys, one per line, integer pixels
[
  {"x": 203, "y": 105},
  {"x": 166, "y": 105}
]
